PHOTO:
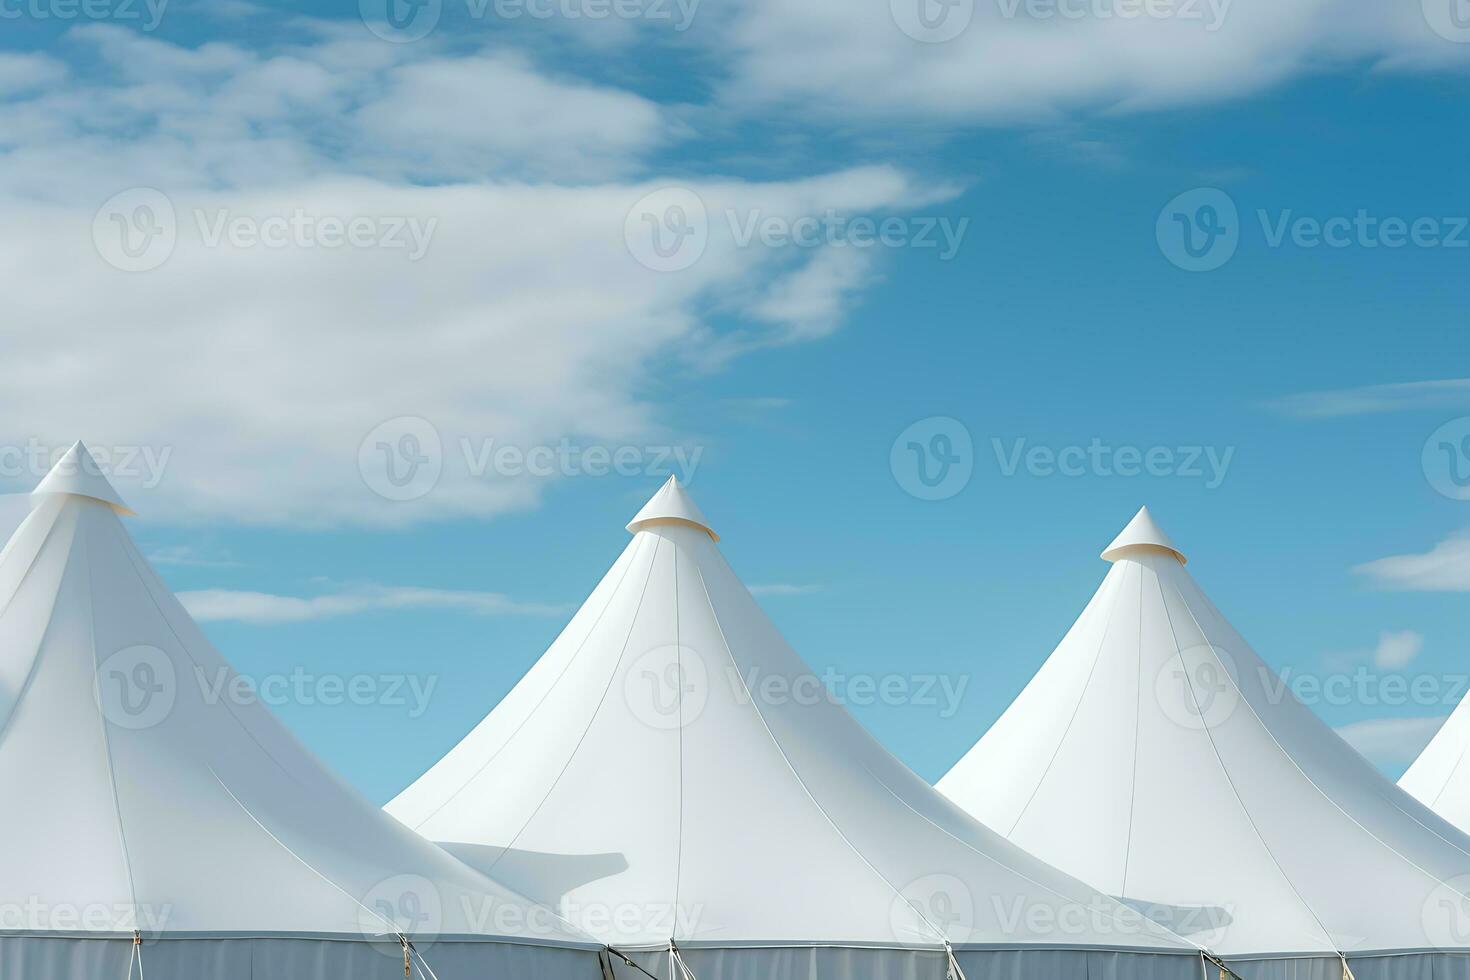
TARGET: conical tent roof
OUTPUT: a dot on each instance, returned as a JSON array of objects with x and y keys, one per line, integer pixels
[
  {"x": 671, "y": 770},
  {"x": 1211, "y": 797},
  {"x": 1440, "y": 777},
  {"x": 144, "y": 793}
]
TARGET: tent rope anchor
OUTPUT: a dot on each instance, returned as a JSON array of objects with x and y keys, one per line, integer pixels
[
  {"x": 629, "y": 961},
  {"x": 135, "y": 954},
  {"x": 952, "y": 969},
  {"x": 678, "y": 969}
]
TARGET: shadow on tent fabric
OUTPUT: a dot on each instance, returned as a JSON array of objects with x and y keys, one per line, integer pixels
[{"x": 553, "y": 874}]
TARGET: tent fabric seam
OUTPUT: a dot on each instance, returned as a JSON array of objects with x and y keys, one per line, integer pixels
[
  {"x": 571, "y": 756},
  {"x": 1137, "y": 717},
  {"x": 751, "y": 700},
  {"x": 127, "y": 859},
  {"x": 41, "y": 641},
  {"x": 1076, "y": 710},
  {"x": 1435, "y": 879},
  {"x": 1225, "y": 770},
  {"x": 1272, "y": 735},
  {"x": 566, "y": 668}
]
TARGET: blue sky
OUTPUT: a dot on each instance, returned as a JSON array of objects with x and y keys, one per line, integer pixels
[{"x": 1065, "y": 157}]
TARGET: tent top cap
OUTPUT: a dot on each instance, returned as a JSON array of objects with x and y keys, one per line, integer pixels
[
  {"x": 1142, "y": 533},
  {"x": 670, "y": 505},
  {"x": 78, "y": 474}
]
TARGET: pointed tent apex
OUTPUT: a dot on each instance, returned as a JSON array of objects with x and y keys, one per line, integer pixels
[
  {"x": 1142, "y": 533},
  {"x": 670, "y": 505},
  {"x": 78, "y": 474}
]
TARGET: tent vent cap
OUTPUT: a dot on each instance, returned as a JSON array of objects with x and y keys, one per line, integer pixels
[
  {"x": 77, "y": 474},
  {"x": 670, "y": 505},
  {"x": 1142, "y": 534}
]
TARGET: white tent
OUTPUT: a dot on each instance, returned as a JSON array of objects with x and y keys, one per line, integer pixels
[
  {"x": 671, "y": 772},
  {"x": 1157, "y": 757},
  {"x": 1440, "y": 777},
  {"x": 145, "y": 799}
]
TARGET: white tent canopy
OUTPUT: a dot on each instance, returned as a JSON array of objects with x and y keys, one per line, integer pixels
[
  {"x": 1157, "y": 757},
  {"x": 671, "y": 771},
  {"x": 1440, "y": 777},
  {"x": 143, "y": 799}
]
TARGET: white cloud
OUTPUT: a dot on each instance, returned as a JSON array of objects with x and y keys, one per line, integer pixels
[
  {"x": 1443, "y": 568},
  {"x": 466, "y": 117},
  {"x": 1391, "y": 741},
  {"x": 261, "y": 370},
  {"x": 1397, "y": 649},
  {"x": 28, "y": 72},
  {"x": 1019, "y": 61},
  {"x": 262, "y": 608},
  {"x": 1375, "y": 399},
  {"x": 189, "y": 557},
  {"x": 783, "y": 589}
]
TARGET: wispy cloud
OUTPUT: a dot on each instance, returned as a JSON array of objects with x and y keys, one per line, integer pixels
[
  {"x": 784, "y": 588},
  {"x": 1443, "y": 568},
  {"x": 537, "y": 316},
  {"x": 263, "y": 608},
  {"x": 1397, "y": 648},
  {"x": 1391, "y": 741},
  {"x": 1408, "y": 396},
  {"x": 189, "y": 557}
]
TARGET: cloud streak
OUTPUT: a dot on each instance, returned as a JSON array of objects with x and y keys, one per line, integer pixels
[
  {"x": 1407, "y": 396},
  {"x": 263, "y": 608},
  {"x": 1443, "y": 568}
]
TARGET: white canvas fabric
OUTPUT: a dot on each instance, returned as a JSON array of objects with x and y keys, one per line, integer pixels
[
  {"x": 1157, "y": 757},
  {"x": 670, "y": 770},
  {"x": 1440, "y": 777},
  {"x": 144, "y": 795}
]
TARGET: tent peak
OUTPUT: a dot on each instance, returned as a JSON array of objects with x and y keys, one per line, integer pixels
[
  {"x": 671, "y": 505},
  {"x": 1142, "y": 533},
  {"x": 77, "y": 474}
]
